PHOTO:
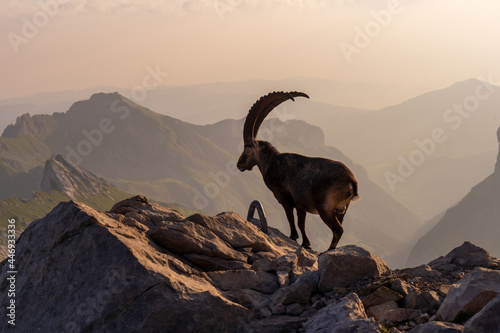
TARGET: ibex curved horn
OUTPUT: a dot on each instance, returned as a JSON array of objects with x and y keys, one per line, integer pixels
[{"x": 259, "y": 111}]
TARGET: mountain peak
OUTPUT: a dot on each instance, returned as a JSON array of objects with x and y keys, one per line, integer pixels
[
  {"x": 37, "y": 125},
  {"x": 62, "y": 175}
]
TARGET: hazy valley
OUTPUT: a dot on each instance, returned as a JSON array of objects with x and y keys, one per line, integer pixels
[{"x": 140, "y": 151}]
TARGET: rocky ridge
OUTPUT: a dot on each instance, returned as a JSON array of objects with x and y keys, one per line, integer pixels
[
  {"x": 144, "y": 268},
  {"x": 62, "y": 175}
]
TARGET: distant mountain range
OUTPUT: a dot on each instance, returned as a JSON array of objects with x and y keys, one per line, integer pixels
[
  {"x": 475, "y": 218},
  {"x": 211, "y": 102},
  {"x": 143, "y": 152}
]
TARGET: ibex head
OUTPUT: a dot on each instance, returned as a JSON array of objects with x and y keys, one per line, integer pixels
[{"x": 259, "y": 111}]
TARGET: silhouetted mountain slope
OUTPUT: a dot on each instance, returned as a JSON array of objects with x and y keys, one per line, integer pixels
[
  {"x": 400, "y": 137},
  {"x": 476, "y": 218},
  {"x": 172, "y": 161}
]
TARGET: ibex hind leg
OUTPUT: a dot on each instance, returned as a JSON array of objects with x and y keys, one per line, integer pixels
[
  {"x": 335, "y": 226},
  {"x": 301, "y": 221}
]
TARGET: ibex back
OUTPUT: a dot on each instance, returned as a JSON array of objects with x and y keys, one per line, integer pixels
[{"x": 308, "y": 184}]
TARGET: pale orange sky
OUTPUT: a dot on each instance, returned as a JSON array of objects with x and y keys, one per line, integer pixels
[{"x": 86, "y": 43}]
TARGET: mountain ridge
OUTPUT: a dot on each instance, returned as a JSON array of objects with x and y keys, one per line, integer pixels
[{"x": 144, "y": 152}]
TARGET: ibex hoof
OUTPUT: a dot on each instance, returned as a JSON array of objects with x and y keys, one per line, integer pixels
[
  {"x": 306, "y": 246},
  {"x": 294, "y": 237}
]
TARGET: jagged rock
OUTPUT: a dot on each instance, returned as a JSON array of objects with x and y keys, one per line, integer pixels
[
  {"x": 266, "y": 257},
  {"x": 236, "y": 231},
  {"x": 380, "y": 311},
  {"x": 348, "y": 315},
  {"x": 294, "y": 309},
  {"x": 380, "y": 296},
  {"x": 278, "y": 309},
  {"x": 416, "y": 300},
  {"x": 38, "y": 126},
  {"x": 440, "y": 327},
  {"x": 80, "y": 266},
  {"x": 249, "y": 298},
  {"x": 168, "y": 273},
  {"x": 346, "y": 265},
  {"x": 488, "y": 319},
  {"x": 299, "y": 292},
  {"x": 283, "y": 278},
  {"x": 188, "y": 237},
  {"x": 306, "y": 259},
  {"x": 468, "y": 255},
  {"x": 276, "y": 324},
  {"x": 400, "y": 315},
  {"x": 62, "y": 175},
  {"x": 265, "y": 312},
  {"x": 141, "y": 206},
  {"x": 286, "y": 263},
  {"x": 422, "y": 319},
  {"x": 432, "y": 298},
  {"x": 263, "y": 282},
  {"x": 401, "y": 287},
  {"x": 470, "y": 295},
  {"x": 209, "y": 263},
  {"x": 423, "y": 271},
  {"x": 444, "y": 289}
]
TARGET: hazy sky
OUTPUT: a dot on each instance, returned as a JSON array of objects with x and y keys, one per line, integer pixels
[{"x": 51, "y": 45}]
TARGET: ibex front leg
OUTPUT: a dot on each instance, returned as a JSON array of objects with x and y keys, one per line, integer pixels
[
  {"x": 289, "y": 215},
  {"x": 301, "y": 221}
]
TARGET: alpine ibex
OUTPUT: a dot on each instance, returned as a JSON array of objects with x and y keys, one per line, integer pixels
[{"x": 308, "y": 184}]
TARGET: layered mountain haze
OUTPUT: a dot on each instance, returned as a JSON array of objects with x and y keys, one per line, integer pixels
[
  {"x": 395, "y": 144},
  {"x": 422, "y": 150},
  {"x": 143, "y": 152},
  {"x": 475, "y": 218}
]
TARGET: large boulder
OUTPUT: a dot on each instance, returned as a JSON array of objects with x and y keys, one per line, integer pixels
[
  {"x": 470, "y": 295},
  {"x": 236, "y": 231},
  {"x": 81, "y": 270},
  {"x": 144, "y": 268},
  {"x": 188, "y": 237},
  {"x": 345, "y": 265},
  {"x": 468, "y": 255},
  {"x": 488, "y": 319},
  {"x": 348, "y": 315}
]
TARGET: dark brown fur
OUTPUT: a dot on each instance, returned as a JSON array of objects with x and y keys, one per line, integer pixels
[{"x": 315, "y": 185}]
